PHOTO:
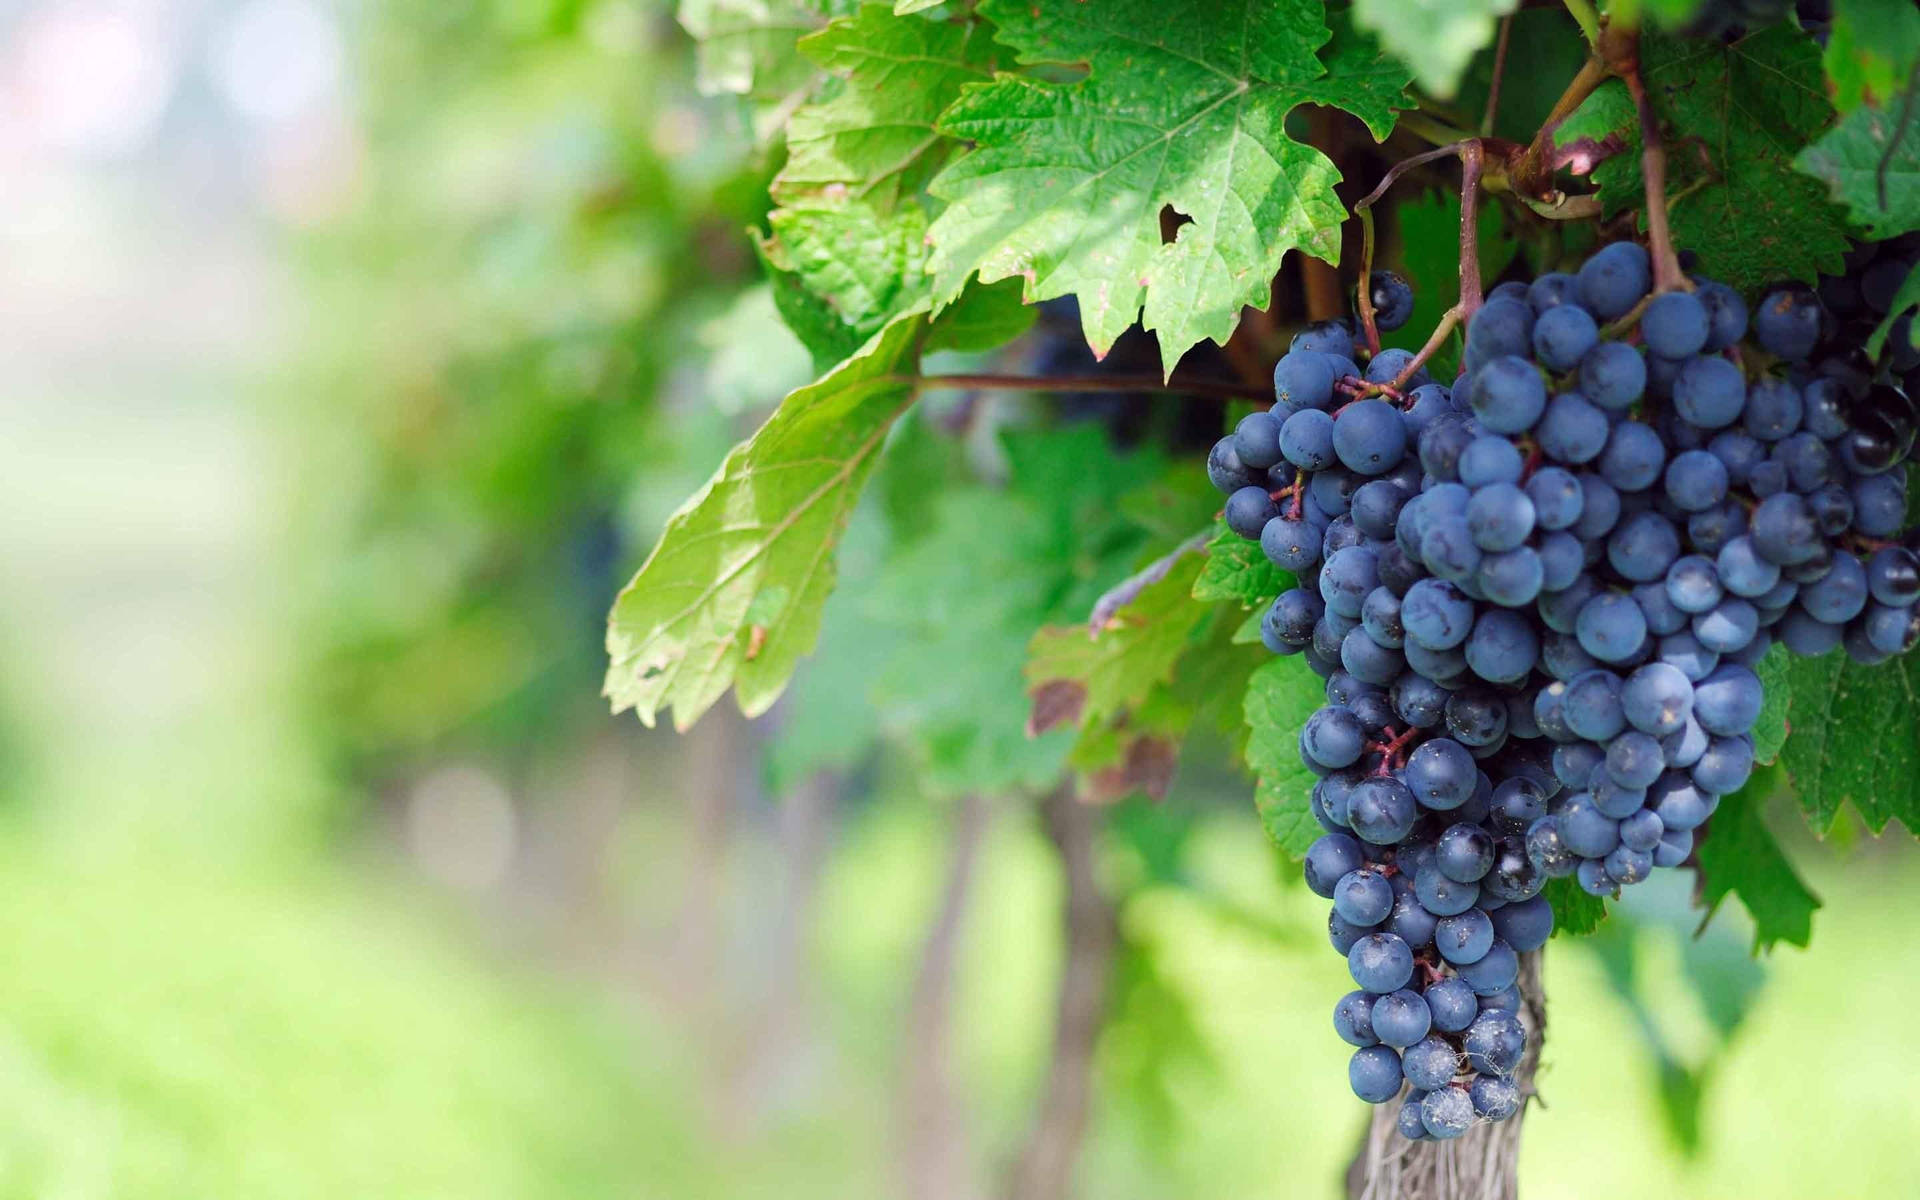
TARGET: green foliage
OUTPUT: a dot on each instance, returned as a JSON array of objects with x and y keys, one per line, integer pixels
[
  {"x": 1871, "y": 49},
  {"x": 1190, "y": 104},
  {"x": 926, "y": 646},
  {"x": 1741, "y": 857},
  {"x": 1236, "y": 570},
  {"x": 1880, "y": 191},
  {"x": 1853, "y": 740},
  {"x": 849, "y": 222},
  {"x": 731, "y": 596},
  {"x": 1770, "y": 728},
  {"x": 1735, "y": 115},
  {"x": 1281, "y": 695},
  {"x": 1436, "y": 39},
  {"x": 1714, "y": 963},
  {"x": 1574, "y": 912}
]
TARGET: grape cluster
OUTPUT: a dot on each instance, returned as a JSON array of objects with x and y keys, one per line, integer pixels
[{"x": 1537, "y": 598}]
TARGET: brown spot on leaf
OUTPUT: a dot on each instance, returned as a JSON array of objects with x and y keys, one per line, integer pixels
[{"x": 1056, "y": 702}]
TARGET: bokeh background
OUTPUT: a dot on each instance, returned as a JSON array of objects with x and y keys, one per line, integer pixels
[{"x": 350, "y": 356}]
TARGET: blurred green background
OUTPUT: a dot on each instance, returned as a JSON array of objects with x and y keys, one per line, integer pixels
[{"x": 352, "y": 355}]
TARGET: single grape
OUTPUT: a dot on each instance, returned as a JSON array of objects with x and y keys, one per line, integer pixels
[
  {"x": 1503, "y": 647},
  {"x": 1447, "y": 1113},
  {"x": 1563, "y": 335},
  {"x": 1643, "y": 546},
  {"x": 1555, "y": 287},
  {"x": 1613, "y": 375},
  {"x": 1787, "y": 322},
  {"x": 1290, "y": 543},
  {"x": 1696, "y": 480},
  {"x": 1325, "y": 337},
  {"x": 1381, "y": 810},
  {"x": 1374, "y": 1074},
  {"x": 1464, "y": 853},
  {"x": 1728, "y": 700},
  {"x": 1674, "y": 325},
  {"x": 1502, "y": 326},
  {"x": 1511, "y": 578},
  {"x": 1452, "y": 1005},
  {"x": 1572, "y": 430},
  {"x": 1302, "y": 379},
  {"x": 1363, "y": 897},
  {"x": 1329, "y": 860},
  {"x": 1380, "y": 963},
  {"x": 1614, "y": 279},
  {"x": 1306, "y": 439},
  {"x": 1392, "y": 298},
  {"x": 1436, "y": 614},
  {"x": 1333, "y": 737},
  {"x": 1408, "y": 1121},
  {"x": 1611, "y": 627},
  {"x": 1353, "y": 1019},
  {"x": 1490, "y": 459},
  {"x": 1495, "y": 1042},
  {"x": 1444, "y": 897},
  {"x": 1508, "y": 395},
  {"x": 1225, "y": 470},
  {"x": 1524, "y": 925},
  {"x": 1441, "y": 774},
  {"x": 1726, "y": 314},
  {"x": 1493, "y": 972},
  {"x": 1430, "y": 1063},
  {"x": 1710, "y": 392},
  {"x": 1369, "y": 437},
  {"x": 1773, "y": 409},
  {"x": 1256, "y": 439},
  {"x": 1633, "y": 458},
  {"x": 1500, "y": 517}
]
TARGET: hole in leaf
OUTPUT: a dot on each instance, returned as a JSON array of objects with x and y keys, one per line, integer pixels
[{"x": 1171, "y": 219}]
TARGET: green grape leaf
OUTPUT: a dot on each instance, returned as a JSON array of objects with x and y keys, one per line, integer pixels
[
  {"x": 1183, "y": 106},
  {"x": 1853, "y": 161},
  {"x": 1575, "y": 913},
  {"x": 1855, "y": 737},
  {"x": 1872, "y": 46},
  {"x": 961, "y": 592},
  {"x": 1904, "y": 301},
  {"x": 1739, "y": 856},
  {"x": 1136, "y": 702},
  {"x": 849, "y": 221},
  {"x": 731, "y": 594},
  {"x": 748, "y": 48},
  {"x": 1436, "y": 39},
  {"x": 1281, "y": 695},
  {"x": 1735, "y": 115},
  {"x": 1236, "y": 569},
  {"x": 1114, "y": 667},
  {"x": 1776, "y": 683}
]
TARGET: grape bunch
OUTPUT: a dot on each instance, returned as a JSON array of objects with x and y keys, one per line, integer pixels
[{"x": 1537, "y": 598}]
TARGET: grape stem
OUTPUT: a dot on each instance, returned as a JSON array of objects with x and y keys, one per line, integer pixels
[
  {"x": 1209, "y": 389},
  {"x": 1667, "y": 275},
  {"x": 1500, "y": 69}
]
